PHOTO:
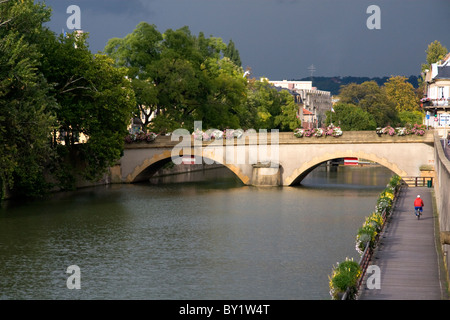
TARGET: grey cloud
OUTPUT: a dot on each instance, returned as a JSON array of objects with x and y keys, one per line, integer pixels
[{"x": 282, "y": 38}]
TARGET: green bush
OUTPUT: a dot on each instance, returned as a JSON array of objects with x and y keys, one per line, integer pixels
[
  {"x": 344, "y": 276},
  {"x": 366, "y": 235},
  {"x": 395, "y": 182}
]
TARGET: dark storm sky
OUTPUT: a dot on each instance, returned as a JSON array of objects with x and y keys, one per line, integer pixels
[{"x": 280, "y": 39}]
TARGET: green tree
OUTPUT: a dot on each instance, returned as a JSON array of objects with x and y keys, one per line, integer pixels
[
  {"x": 225, "y": 105},
  {"x": 410, "y": 117},
  {"x": 287, "y": 119},
  {"x": 51, "y": 84},
  {"x": 269, "y": 108},
  {"x": 146, "y": 100},
  {"x": 382, "y": 109},
  {"x": 95, "y": 100},
  {"x": 435, "y": 52},
  {"x": 232, "y": 53},
  {"x": 402, "y": 94},
  {"x": 371, "y": 98},
  {"x": 351, "y": 118},
  {"x": 137, "y": 52},
  {"x": 356, "y": 93},
  {"x": 26, "y": 119},
  {"x": 181, "y": 78},
  {"x": 261, "y": 104}
]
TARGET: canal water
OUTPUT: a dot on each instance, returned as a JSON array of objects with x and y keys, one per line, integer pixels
[{"x": 213, "y": 238}]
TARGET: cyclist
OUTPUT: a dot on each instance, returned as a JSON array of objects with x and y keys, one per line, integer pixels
[{"x": 418, "y": 205}]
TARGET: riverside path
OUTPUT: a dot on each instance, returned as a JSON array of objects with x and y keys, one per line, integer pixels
[{"x": 407, "y": 254}]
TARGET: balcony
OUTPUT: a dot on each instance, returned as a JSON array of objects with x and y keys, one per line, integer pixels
[
  {"x": 441, "y": 103},
  {"x": 428, "y": 102}
]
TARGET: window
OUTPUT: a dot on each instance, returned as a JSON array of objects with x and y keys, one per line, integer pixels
[{"x": 440, "y": 93}]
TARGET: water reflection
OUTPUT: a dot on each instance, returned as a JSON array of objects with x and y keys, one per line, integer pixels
[{"x": 210, "y": 239}]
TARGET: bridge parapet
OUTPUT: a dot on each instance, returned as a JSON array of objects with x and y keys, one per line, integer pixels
[{"x": 349, "y": 137}]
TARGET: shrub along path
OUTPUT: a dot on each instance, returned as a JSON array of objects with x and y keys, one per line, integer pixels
[{"x": 407, "y": 255}]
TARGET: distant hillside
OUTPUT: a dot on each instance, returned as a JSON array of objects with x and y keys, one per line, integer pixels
[{"x": 333, "y": 84}]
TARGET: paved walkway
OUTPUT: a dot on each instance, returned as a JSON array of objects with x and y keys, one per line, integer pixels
[{"x": 407, "y": 254}]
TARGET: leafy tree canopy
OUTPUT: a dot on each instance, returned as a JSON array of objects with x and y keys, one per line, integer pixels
[
  {"x": 26, "y": 118},
  {"x": 351, "y": 118},
  {"x": 385, "y": 102},
  {"x": 180, "y": 78},
  {"x": 402, "y": 94},
  {"x": 232, "y": 53},
  {"x": 95, "y": 100},
  {"x": 52, "y": 86},
  {"x": 269, "y": 108},
  {"x": 435, "y": 52}
]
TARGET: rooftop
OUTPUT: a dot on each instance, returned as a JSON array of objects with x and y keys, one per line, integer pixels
[{"x": 443, "y": 72}]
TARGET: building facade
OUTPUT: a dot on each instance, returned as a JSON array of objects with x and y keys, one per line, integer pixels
[
  {"x": 436, "y": 100},
  {"x": 313, "y": 103}
]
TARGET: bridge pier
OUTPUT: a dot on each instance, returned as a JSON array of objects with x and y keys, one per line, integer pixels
[
  {"x": 115, "y": 174},
  {"x": 266, "y": 175}
]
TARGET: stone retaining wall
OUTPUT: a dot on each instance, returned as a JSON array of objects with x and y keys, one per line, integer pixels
[{"x": 442, "y": 187}]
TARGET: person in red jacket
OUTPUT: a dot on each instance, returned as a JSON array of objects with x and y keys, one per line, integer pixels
[{"x": 418, "y": 204}]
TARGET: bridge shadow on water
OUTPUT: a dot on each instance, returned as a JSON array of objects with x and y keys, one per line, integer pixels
[
  {"x": 370, "y": 177},
  {"x": 218, "y": 177}
]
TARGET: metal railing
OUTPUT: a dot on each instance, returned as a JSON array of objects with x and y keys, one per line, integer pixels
[
  {"x": 418, "y": 181},
  {"x": 440, "y": 103}
]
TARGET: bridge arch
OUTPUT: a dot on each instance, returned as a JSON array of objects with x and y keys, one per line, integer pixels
[
  {"x": 151, "y": 165},
  {"x": 301, "y": 172}
]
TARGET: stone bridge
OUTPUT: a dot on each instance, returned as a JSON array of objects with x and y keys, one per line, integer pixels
[{"x": 277, "y": 158}]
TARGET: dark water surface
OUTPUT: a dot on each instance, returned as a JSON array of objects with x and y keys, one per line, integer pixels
[{"x": 213, "y": 239}]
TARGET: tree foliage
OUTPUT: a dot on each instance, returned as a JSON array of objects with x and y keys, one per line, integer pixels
[
  {"x": 180, "y": 78},
  {"x": 384, "y": 103},
  {"x": 435, "y": 52},
  {"x": 95, "y": 100},
  {"x": 402, "y": 94},
  {"x": 351, "y": 118},
  {"x": 371, "y": 98},
  {"x": 410, "y": 117},
  {"x": 26, "y": 118},
  {"x": 232, "y": 53},
  {"x": 268, "y": 108},
  {"x": 51, "y": 85},
  {"x": 53, "y": 90}
]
